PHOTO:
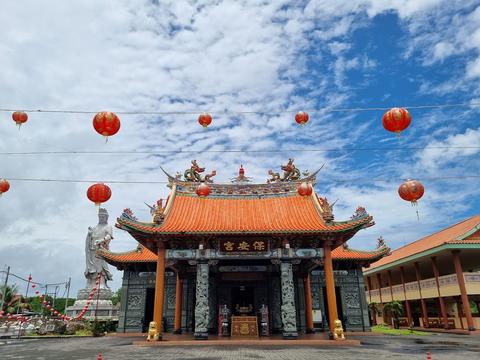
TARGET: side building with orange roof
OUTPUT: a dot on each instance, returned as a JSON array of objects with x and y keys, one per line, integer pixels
[
  {"x": 243, "y": 259},
  {"x": 436, "y": 278}
]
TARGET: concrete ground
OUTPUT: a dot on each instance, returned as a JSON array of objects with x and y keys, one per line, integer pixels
[{"x": 441, "y": 346}]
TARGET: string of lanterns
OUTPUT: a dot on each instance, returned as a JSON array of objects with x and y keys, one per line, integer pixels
[
  {"x": 108, "y": 124},
  {"x": 48, "y": 306},
  {"x": 90, "y": 298}
]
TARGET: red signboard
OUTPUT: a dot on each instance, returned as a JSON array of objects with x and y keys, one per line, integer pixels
[{"x": 243, "y": 245}]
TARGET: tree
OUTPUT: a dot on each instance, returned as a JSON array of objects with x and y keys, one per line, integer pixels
[
  {"x": 117, "y": 297},
  {"x": 373, "y": 308},
  {"x": 394, "y": 309},
  {"x": 10, "y": 297}
]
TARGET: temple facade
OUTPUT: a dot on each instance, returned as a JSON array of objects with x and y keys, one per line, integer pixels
[{"x": 243, "y": 259}]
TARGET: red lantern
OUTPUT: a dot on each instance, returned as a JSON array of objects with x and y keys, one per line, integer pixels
[
  {"x": 301, "y": 118},
  {"x": 106, "y": 123},
  {"x": 20, "y": 117},
  {"x": 305, "y": 189},
  {"x": 4, "y": 186},
  {"x": 396, "y": 120},
  {"x": 99, "y": 193},
  {"x": 205, "y": 119},
  {"x": 203, "y": 190},
  {"x": 411, "y": 190}
]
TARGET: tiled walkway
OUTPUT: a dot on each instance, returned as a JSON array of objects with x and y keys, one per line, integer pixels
[{"x": 442, "y": 347}]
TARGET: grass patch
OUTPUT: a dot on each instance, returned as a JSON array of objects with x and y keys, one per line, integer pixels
[
  {"x": 384, "y": 329},
  {"x": 83, "y": 332}
]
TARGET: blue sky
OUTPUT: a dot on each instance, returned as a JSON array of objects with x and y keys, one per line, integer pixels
[{"x": 272, "y": 57}]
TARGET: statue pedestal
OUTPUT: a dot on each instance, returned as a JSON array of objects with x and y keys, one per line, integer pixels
[{"x": 102, "y": 308}]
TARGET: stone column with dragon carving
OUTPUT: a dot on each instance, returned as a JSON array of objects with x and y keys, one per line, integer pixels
[
  {"x": 201, "y": 306},
  {"x": 289, "y": 319}
]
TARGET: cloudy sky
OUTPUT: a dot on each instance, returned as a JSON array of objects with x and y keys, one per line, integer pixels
[{"x": 269, "y": 57}]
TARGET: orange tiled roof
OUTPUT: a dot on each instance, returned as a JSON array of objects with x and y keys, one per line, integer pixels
[
  {"x": 449, "y": 235},
  {"x": 142, "y": 254},
  {"x": 287, "y": 213},
  {"x": 340, "y": 253}
]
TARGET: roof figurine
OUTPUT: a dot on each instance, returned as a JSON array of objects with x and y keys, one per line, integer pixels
[
  {"x": 158, "y": 214},
  {"x": 290, "y": 173},
  {"x": 380, "y": 242},
  {"x": 241, "y": 178},
  {"x": 193, "y": 174}
]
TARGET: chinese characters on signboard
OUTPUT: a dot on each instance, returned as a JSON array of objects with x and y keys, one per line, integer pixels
[{"x": 235, "y": 246}]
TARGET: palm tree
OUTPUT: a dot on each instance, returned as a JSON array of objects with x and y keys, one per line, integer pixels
[
  {"x": 9, "y": 296},
  {"x": 394, "y": 309}
]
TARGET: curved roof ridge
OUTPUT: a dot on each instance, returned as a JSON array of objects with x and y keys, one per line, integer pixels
[
  {"x": 436, "y": 233},
  {"x": 438, "y": 238}
]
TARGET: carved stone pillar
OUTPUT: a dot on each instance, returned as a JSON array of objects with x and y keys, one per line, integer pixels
[
  {"x": 201, "y": 306},
  {"x": 289, "y": 320}
]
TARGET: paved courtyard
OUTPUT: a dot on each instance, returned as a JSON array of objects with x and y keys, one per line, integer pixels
[{"x": 449, "y": 347}]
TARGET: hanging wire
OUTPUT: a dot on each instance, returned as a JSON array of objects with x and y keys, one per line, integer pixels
[
  {"x": 182, "y": 151},
  {"x": 31, "y": 281},
  {"x": 356, "y": 180},
  {"x": 247, "y": 112}
]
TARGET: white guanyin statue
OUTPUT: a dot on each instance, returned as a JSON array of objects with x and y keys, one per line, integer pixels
[{"x": 98, "y": 237}]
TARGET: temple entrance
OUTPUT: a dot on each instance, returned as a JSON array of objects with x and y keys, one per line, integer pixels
[
  {"x": 340, "y": 312},
  {"x": 149, "y": 305},
  {"x": 244, "y": 295},
  {"x": 243, "y": 300}
]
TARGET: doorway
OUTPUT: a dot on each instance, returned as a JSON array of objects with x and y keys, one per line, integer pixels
[
  {"x": 149, "y": 305},
  {"x": 242, "y": 300},
  {"x": 338, "y": 296}
]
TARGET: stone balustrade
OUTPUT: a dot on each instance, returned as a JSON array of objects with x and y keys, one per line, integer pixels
[{"x": 448, "y": 287}]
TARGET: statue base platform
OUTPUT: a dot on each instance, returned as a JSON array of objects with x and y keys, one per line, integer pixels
[{"x": 101, "y": 306}]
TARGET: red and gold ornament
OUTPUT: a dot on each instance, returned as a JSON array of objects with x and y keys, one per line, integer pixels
[
  {"x": 99, "y": 193},
  {"x": 396, "y": 120},
  {"x": 305, "y": 189},
  {"x": 20, "y": 117},
  {"x": 203, "y": 190},
  {"x": 411, "y": 190},
  {"x": 106, "y": 123},
  {"x": 301, "y": 118},
  {"x": 205, "y": 119},
  {"x": 4, "y": 186}
]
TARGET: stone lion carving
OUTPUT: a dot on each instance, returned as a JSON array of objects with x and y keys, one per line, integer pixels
[
  {"x": 153, "y": 334},
  {"x": 338, "y": 330}
]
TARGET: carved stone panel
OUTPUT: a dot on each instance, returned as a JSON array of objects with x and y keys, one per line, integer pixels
[
  {"x": 212, "y": 302},
  {"x": 201, "y": 306},
  {"x": 275, "y": 303},
  {"x": 288, "y": 300},
  {"x": 135, "y": 300}
]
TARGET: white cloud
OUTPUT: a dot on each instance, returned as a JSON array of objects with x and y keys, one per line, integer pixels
[
  {"x": 456, "y": 148},
  {"x": 170, "y": 56}
]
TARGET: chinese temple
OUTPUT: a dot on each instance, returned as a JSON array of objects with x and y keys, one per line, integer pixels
[{"x": 243, "y": 259}]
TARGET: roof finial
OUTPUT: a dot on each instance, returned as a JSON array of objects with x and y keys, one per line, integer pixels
[{"x": 241, "y": 178}]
